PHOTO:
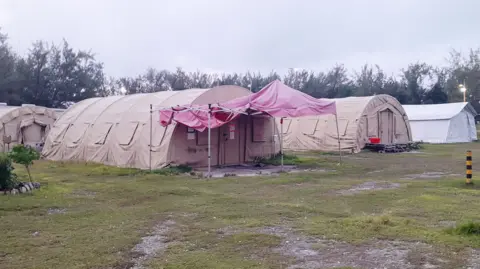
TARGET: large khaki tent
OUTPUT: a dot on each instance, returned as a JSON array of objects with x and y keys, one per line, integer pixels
[
  {"x": 116, "y": 131},
  {"x": 359, "y": 118},
  {"x": 27, "y": 124}
]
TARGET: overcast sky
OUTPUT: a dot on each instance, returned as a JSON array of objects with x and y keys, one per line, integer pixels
[{"x": 239, "y": 35}]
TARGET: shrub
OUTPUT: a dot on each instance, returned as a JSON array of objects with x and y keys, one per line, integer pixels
[
  {"x": 469, "y": 228},
  {"x": 7, "y": 177},
  {"x": 24, "y": 155},
  {"x": 173, "y": 170}
]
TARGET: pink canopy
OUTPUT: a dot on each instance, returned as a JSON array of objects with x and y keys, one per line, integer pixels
[{"x": 275, "y": 99}]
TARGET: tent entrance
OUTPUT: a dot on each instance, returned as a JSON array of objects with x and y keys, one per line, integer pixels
[
  {"x": 33, "y": 135},
  {"x": 230, "y": 144},
  {"x": 385, "y": 126}
]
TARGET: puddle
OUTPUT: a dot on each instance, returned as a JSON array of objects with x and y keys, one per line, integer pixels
[
  {"x": 52, "y": 211},
  {"x": 368, "y": 186},
  {"x": 153, "y": 244},
  {"x": 251, "y": 171},
  {"x": 415, "y": 152},
  {"x": 447, "y": 224},
  {"x": 376, "y": 171},
  {"x": 429, "y": 175}
]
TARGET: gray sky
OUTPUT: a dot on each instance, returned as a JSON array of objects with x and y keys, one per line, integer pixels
[{"x": 239, "y": 35}]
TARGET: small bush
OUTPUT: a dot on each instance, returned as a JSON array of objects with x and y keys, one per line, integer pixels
[
  {"x": 469, "y": 228},
  {"x": 288, "y": 160},
  {"x": 173, "y": 170},
  {"x": 7, "y": 177},
  {"x": 277, "y": 159},
  {"x": 24, "y": 155}
]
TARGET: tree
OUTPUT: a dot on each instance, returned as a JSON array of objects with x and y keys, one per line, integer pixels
[
  {"x": 52, "y": 75},
  {"x": 7, "y": 177},
  {"x": 25, "y": 156},
  {"x": 436, "y": 95},
  {"x": 370, "y": 81},
  {"x": 8, "y": 79},
  {"x": 414, "y": 77}
]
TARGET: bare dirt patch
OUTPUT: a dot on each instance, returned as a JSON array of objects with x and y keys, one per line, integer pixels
[
  {"x": 153, "y": 244},
  {"x": 369, "y": 186},
  {"x": 83, "y": 193},
  {"x": 311, "y": 252},
  {"x": 474, "y": 260}
]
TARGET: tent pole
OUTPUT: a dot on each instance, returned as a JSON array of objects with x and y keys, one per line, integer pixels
[
  {"x": 338, "y": 137},
  {"x": 281, "y": 143},
  {"x": 209, "y": 136},
  {"x": 246, "y": 120},
  {"x": 274, "y": 132},
  {"x": 150, "y": 144}
]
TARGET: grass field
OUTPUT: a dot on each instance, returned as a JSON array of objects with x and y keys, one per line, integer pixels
[{"x": 374, "y": 210}]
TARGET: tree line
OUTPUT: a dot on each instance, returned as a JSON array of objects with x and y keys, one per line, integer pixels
[{"x": 54, "y": 75}]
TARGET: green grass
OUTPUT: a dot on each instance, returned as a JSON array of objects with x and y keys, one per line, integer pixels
[
  {"x": 109, "y": 209},
  {"x": 469, "y": 228}
]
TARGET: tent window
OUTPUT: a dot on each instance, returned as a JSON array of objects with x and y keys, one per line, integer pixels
[
  {"x": 76, "y": 132},
  {"x": 399, "y": 125},
  {"x": 309, "y": 126},
  {"x": 126, "y": 132},
  {"x": 372, "y": 126},
  {"x": 202, "y": 137},
  {"x": 60, "y": 131},
  {"x": 258, "y": 129},
  {"x": 286, "y": 125},
  {"x": 11, "y": 129},
  {"x": 101, "y": 132}
]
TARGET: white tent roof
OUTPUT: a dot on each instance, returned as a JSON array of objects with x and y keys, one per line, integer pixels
[{"x": 436, "y": 111}]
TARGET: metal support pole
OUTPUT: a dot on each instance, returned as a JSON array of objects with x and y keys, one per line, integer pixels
[
  {"x": 338, "y": 138},
  {"x": 469, "y": 175},
  {"x": 281, "y": 144},
  {"x": 150, "y": 144},
  {"x": 209, "y": 143}
]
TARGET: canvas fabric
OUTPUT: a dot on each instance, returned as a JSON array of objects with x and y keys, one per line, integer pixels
[
  {"x": 116, "y": 131},
  {"x": 359, "y": 118},
  {"x": 442, "y": 123},
  {"x": 27, "y": 125}
]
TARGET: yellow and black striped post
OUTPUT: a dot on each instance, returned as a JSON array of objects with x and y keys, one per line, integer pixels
[{"x": 468, "y": 179}]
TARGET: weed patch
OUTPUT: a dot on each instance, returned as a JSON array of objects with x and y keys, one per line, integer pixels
[
  {"x": 173, "y": 170},
  {"x": 466, "y": 229}
]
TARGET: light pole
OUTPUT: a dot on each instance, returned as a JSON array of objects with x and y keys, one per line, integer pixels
[{"x": 463, "y": 89}]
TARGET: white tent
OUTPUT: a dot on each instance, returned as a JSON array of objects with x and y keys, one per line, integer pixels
[{"x": 442, "y": 123}]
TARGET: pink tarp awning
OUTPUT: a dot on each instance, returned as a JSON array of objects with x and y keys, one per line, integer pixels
[{"x": 275, "y": 99}]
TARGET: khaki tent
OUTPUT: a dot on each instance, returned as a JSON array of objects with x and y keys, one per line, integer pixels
[
  {"x": 26, "y": 125},
  {"x": 359, "y": 118},
  {"x": 116, "y": 131},
  {"x": 58, "y": 112}
]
